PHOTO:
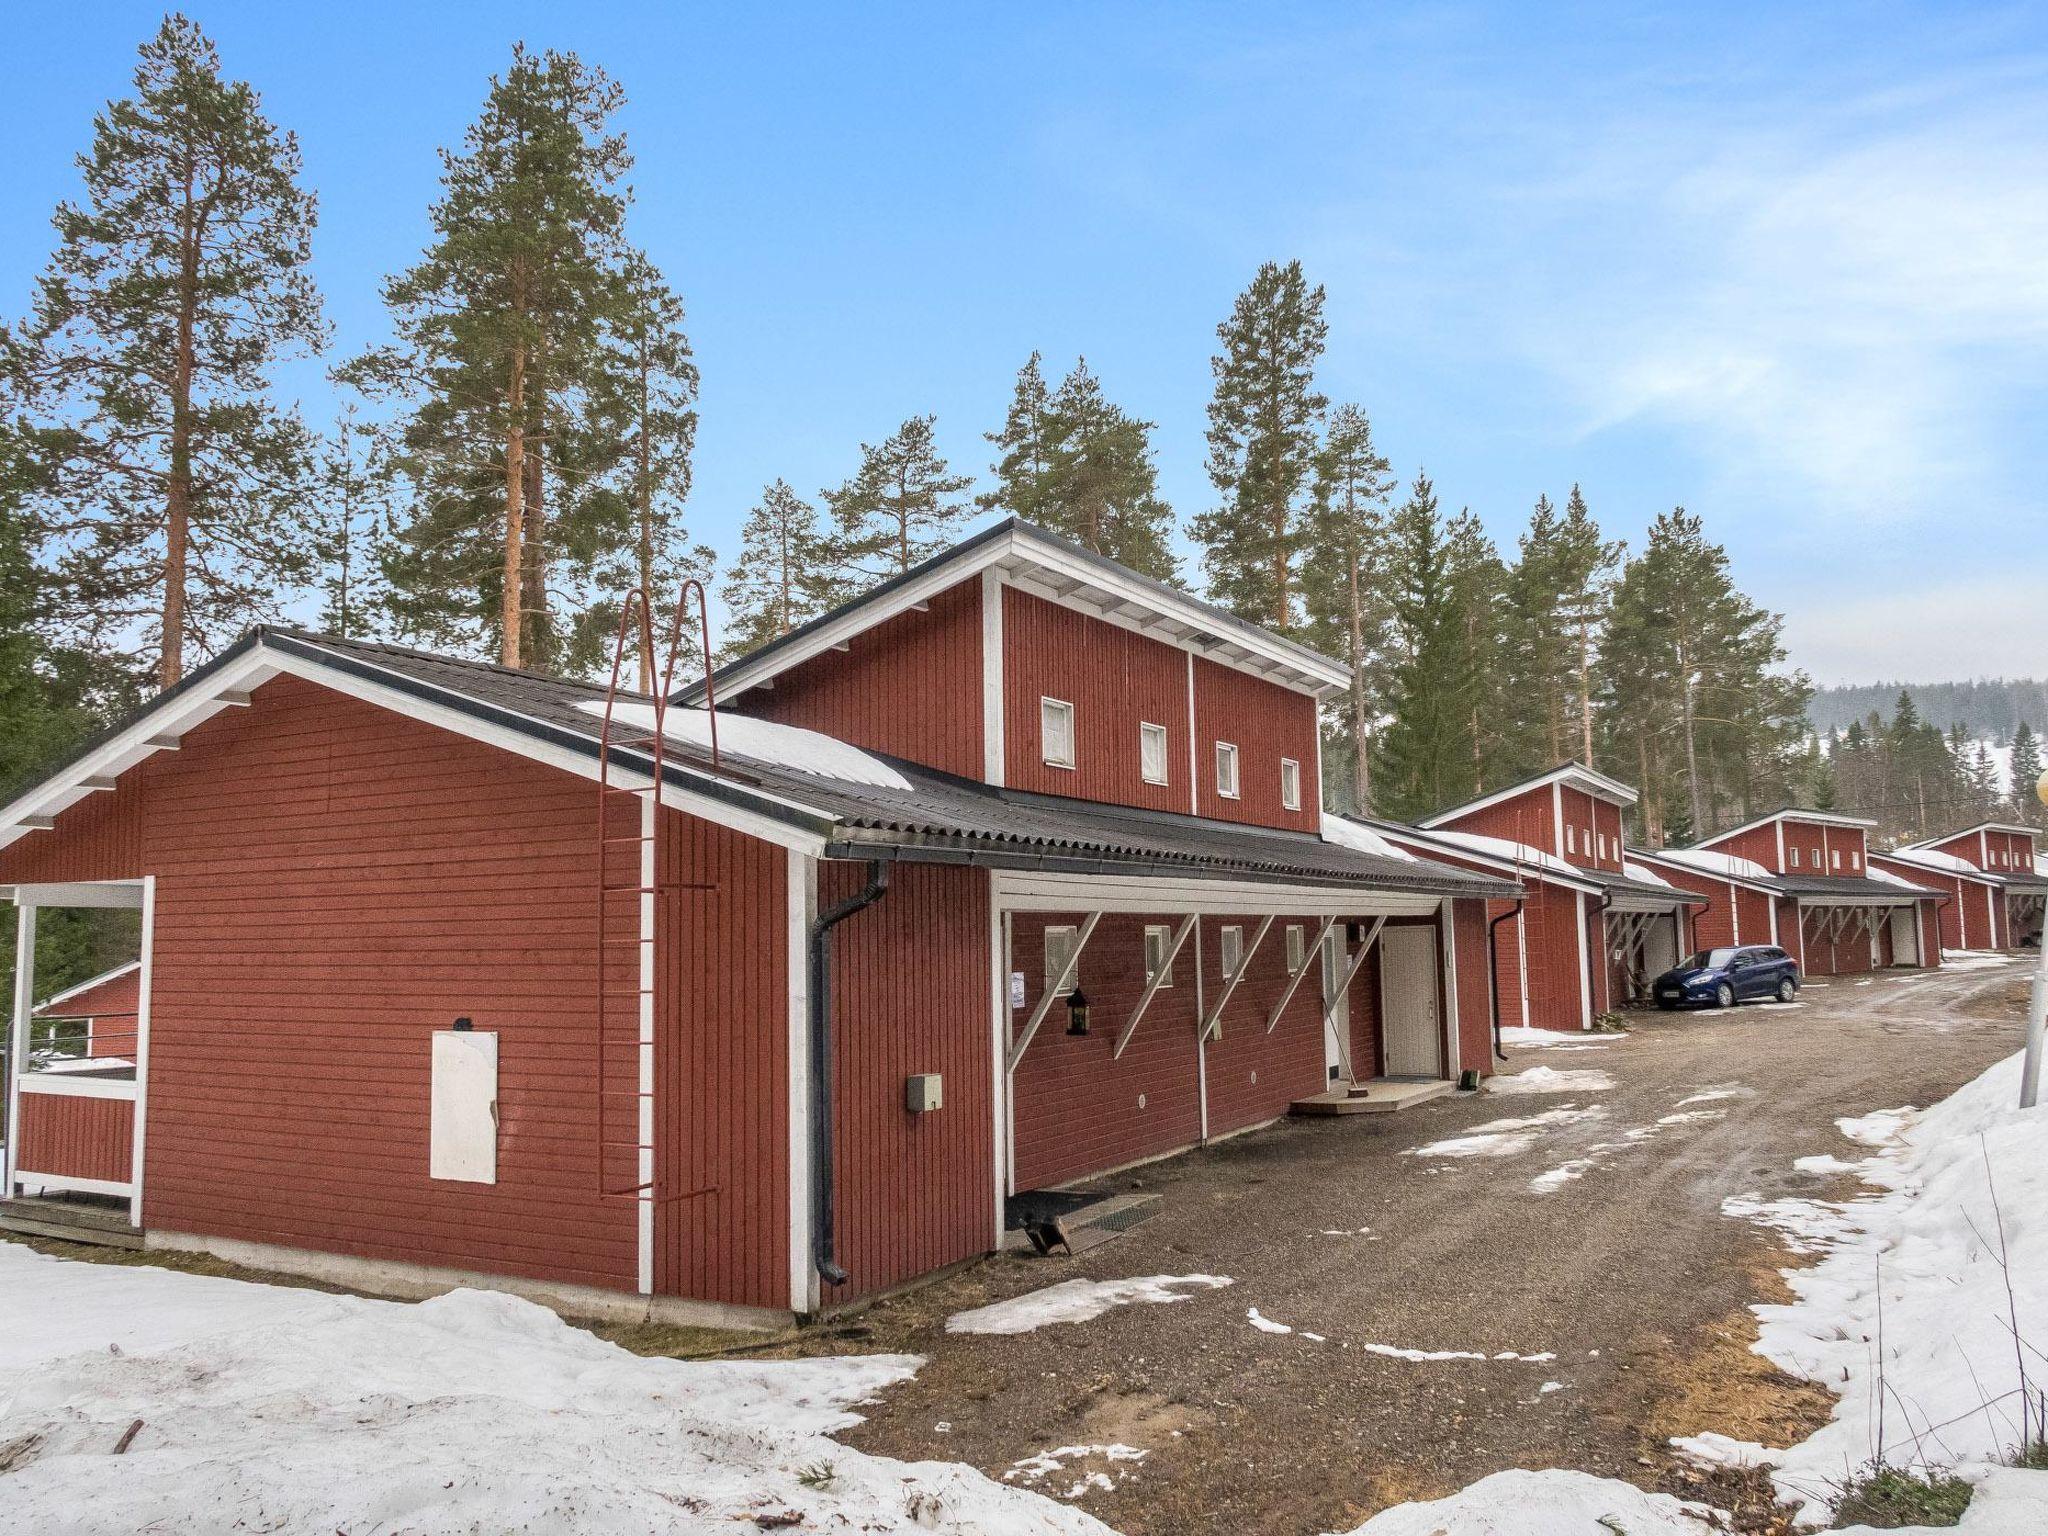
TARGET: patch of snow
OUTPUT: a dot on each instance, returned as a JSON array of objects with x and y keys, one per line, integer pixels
[
  {"x": 1549, "y": 1387},
  {"x": 1973, "y": 960},
  {"x": 1550, "y": 1080},
  {"x": 1774, "y": 1005},
  {"x": 1505, "y": 1138},
  {"x": 1714, "y": 1095},
  {"x": 1549, "y": 1503},
  {"x": 1524, "y": 1034},
  {"x": 1360, "y": 838},
  {"x": 1642, "y": 874},
  {"x": 1551, "y": 1181},
  {"x": 1713, "y": 1449},
  {"x": 1692, "y": 1116},
  {"x": 1078, "y": 1301},
  {"x": 1509, "y": 850},
  {"x": 1934, "y": 858},
  {"x": 1823, "y": 1163},
  {"x": 763, "y": 741},
  {"x": 279, "y": 1409},
  {"x": 1346, "y": 1231},
  {"x": 1265, "y": 1324},
  {"x": 1806, "y": 1226},
  {"x": 1034, "y": 1469},
  {"x": 1397, "y": 1352}
]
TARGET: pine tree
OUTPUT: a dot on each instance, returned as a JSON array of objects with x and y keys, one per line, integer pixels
[
  {"x": 900, "y": 507},
  {"x": 2026, "y": 773},
  {"x": 1478, "y": 580},
  {"x": 1024, "y": 469},
  {"x": 178, "y": 283},
  {"x": 1586, "y": 569},
  {"x": 1426, "y": 753},
  {"x": 1264, "y": 420},
  {"x": 503, "y": 332},
  {"x": 1344, "y": 583},
  {"x": 1536, "y": 646},
  {"x": 1102, "y": 487},
  {"x": 782, "y": 577},
  {"x": 352, "y": 513}
]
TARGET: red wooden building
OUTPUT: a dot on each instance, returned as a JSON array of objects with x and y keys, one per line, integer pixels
[
  {"x": 1802, "y": 880},
  {"x": 1996, "y": 892},
  {"x": 1005, "y": 875},
  {"x": 1595, "y": 928}
]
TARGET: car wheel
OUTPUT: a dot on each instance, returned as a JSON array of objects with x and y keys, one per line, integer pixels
[
  {"x": 1787, "y": 990},
  {"x": 1724, "y": 996}
]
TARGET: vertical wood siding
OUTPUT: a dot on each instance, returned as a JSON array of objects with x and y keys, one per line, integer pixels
[
  {"x": 911, "y": 994},
  {"x": 911, "y": 687},
  {"x": 1115, "y": 679},
  {"x": 1076, "y": 1105},
  {"x": 1266, "y": 723},
  {"x": 71, "y": 1136},
  {"x": 721, "y": 1066}
]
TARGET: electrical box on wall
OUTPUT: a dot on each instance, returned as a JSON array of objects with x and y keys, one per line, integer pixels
[
  {"x": 463, "y": 1125},
  {"x": 923, "y": 1091}
]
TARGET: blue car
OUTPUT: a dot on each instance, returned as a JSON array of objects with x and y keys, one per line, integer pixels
[{"x": 1721, "y": 978}]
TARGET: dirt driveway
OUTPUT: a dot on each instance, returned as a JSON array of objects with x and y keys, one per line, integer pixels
[{"x": 1591, "y": 1238}]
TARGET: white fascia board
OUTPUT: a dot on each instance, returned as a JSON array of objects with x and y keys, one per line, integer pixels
[
  {"x": 1822, "y": 818},
  {"x": 263, "y": 662},
  {"x": 1982, "y": 826},
  {"x": 1030, "y": 891},
  {"x": 104, "y": 976}
]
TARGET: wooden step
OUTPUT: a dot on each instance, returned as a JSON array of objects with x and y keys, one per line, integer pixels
[
  {"x": 1378, "y": 1097},
  {"x": 69, "y": 1221}
]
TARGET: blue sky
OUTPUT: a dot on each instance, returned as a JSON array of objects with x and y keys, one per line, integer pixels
[{"x": 1789, "y": 270}]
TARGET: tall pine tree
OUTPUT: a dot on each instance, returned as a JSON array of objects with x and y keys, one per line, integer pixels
[
  {"x": 2026, "y": 773},
  {"x": 1586, "y": 567},
  {"x": 782, "y": 576},
  {"x": 1264, "y": 420},
  {"x": 352, "y": 513},
  {"x": 1023, "y": 469},
  {"x": 899, "y": 508},
  {"x": 179, "y": 282},
  {"x": 1344, "y": 584},
  {"x": 1103, "y": 489}
]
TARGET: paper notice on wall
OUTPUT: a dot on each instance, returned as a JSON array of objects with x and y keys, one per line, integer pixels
[{"x": 1016, "y": 989}]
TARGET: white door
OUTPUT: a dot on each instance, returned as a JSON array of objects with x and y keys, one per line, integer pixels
[
  {"x": 1408, "y": 1004},
  {"x": 1335, "y": 960},
  {"x": 1905, "y": 936}
]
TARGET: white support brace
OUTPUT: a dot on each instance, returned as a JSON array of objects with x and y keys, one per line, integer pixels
[
  {"x": 1310, "y": 961},
  {"x": 1158, "y": 980},
  {"x": 1342, "y": 989},
  {"x": 1058, "y": 986},
  {"x": 1212, "y": 1027}
]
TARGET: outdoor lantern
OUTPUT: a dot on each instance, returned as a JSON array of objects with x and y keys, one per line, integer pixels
[{"x": 1077, "y": 1012}]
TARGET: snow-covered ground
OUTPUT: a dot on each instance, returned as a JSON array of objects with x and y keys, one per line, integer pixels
[{"x": 274, "y": 1409}]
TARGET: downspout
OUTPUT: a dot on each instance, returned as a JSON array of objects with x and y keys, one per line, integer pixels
[
  {"x": 1493, "y": 971},
  {"x": 822, "y": 1161}
]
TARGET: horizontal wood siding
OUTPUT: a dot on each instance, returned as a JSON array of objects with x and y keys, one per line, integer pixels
[
  {"x": 910, "y": 995},
  {"x": 1077, "y": 1106},
  {"x": 1253, "y": 1075},
  {"x": 910, "y": 687},
  {"x": 97, "y": 838},
  {"x": 1266, "y": 723},
  {"x": 1115, "y": 679},
  {"x": 721, "y": 1066},
  {"x": 74, "y": 1137},
  {"x": 1530, "y": 817}
]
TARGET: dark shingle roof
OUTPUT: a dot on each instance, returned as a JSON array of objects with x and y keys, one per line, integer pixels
[{"x": 939, "y": 817}]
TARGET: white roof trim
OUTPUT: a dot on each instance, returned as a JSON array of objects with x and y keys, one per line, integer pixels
[
  {"x": 86, "y": 986},
  {"x": 1047, "y": 569},
  {"x": 1679, "y": 858},
  {"x": 1982, "y": 826},
  {"x": 1537, "y": 865},
  {"x": 1577, "y": 776},
  {"x": 1822, "y": 818},
  {"x": 1936, "y": 863}
]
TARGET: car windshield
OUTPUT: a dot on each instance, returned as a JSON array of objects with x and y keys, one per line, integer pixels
[{"x": 1712, "y": 959}]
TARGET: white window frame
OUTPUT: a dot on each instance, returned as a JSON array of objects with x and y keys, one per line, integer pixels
[
  {"x": 1794, "y": 851},
  {"x": 1855, "y": 859},
  {"x": 1838, "y": 858},
  {"x": 1049, "y": 710},
  {"x": 1158, "y": 940},
  {"x": 1571, "y": 838},
  {"x": 1069, "y": 936},
  {"x": 1230, "y": 949},
  {"x": 1290, "y": 784},
  {"x": 1226, "y": 758},
  {"x": 1147, "y": 734},
  {"x": 1603, "y": 845},
  {"x": 1297, "y": 948}
]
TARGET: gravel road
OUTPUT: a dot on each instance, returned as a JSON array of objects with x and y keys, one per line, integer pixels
[{"x": 1594, "y": 1237}]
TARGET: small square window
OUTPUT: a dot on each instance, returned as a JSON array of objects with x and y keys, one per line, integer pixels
[
  {"x": 1226, "y": 770},
  {"x": 1231, "y": 951},
  {"x": 1059, "y": 949},
  {"x": 1297, "y": 948},
  {"x": 1290, "y": 784},
  {"x": 1056, "y": 733},
  {"x": 1158, "y": 939},
  {"x": 1152, "y": 753}
]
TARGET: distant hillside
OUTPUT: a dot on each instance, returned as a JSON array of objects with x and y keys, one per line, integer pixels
[{"x": 1988, "y": 708}]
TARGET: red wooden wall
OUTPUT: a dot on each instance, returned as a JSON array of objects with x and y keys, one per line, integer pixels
[
  {"x": 910, "y": 687},
  {"x": 910, "y": 995},
  {"x": 1757, "y": 844},
  {"x": 1266, "y": 722},
  {"x": 1475, "y": 1005},
  {"x": 1253, "y": 1076},
  {"x": 1525, "y": 818},
  {"x": 73, "y": 1136},
  {"x": 1115, "y": 680}
]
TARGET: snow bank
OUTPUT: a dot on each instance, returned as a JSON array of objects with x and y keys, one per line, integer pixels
[
  {"x": 1926, "y": 1249},
  {"x": 1552, "y": 1503},
  {"x": 765, "y": 741},
  {"x": 1551, "y": 1080},
  {"x": 269, "y": 1408},
  {"x": 1077, "y": 1301}
]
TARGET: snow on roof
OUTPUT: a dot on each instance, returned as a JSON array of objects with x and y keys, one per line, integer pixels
[
  {"x": 1346, "y": 833},
  {"x": 1714, "y": 863},
  {"x": 765, "y": 741},
  {"x": 1928, "y": 858},
  {"x": 1507, "y": 848},
  {"x": 1886, "y": 877},
  {"x": 1642, "y": 873}
]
